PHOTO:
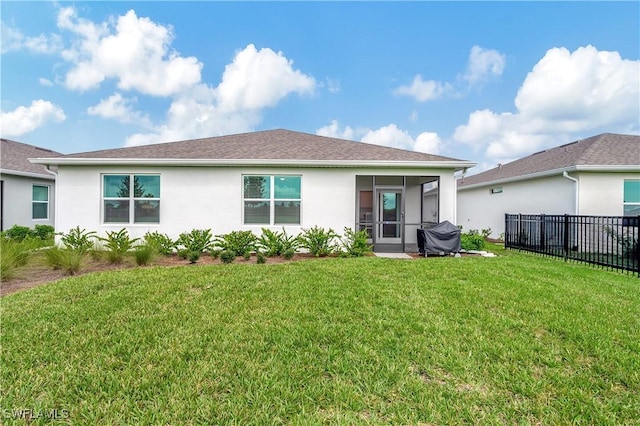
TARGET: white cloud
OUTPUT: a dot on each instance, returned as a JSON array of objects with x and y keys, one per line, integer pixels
[
  {"x": 483, "y": 63},
  {"x": 428, "y": 142},
  {"x": 45, "y": 82},
  {"x": 333, "y": 85},
  {"x": 135, "y": 52},
  {"x": 390, "y": 136},
  {"x": 260, "y": 78},
  {"x": 12, "y": 39},
  {"x": 255, "y": 80},
  {"x": 422, "y": 90},
  {"x": 121, "y": 109},
  {"x": 566, "y": 93},
  {"x": 23, "y": 120},
  {"x": 332, "y": 130}
]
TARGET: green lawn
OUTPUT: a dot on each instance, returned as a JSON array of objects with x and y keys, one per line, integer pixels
[{"x": 516, "y": 339}]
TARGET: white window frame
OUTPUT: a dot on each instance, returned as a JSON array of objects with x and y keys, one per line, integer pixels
[
  {"x": 271, "y": 200},
  {"x": 132, "y": 199},
  {"x": 40, "y": 202}
]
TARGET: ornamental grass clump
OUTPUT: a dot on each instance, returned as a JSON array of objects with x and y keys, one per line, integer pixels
[
  {"x": 67, "y": 260},
  {"x": 13, "y": 255},
  {"x": 144, "y": 254}
]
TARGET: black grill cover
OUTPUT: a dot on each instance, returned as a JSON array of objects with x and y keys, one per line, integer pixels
[{"x": 442, "y": 238}]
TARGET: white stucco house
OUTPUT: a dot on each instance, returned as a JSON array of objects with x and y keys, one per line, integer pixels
[
  {"x": 597, "y": 176},
  {"x": 27, "y": 191},
  {"x": 266, "y": 179}
]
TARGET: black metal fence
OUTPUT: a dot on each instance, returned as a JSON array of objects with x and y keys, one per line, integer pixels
[{"x": 607, "y": 241}]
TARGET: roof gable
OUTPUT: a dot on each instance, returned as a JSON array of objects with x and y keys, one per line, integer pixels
[
  {"x": 14, "y": 158},
  {"x": 603, "y": 150},
  {"x": 284, "y": 145}
]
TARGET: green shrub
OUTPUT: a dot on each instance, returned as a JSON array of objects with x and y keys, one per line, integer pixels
[
  {"x": 354, "y": 244},
  {"x": 79, "y": 240},
  {"x": 69, "y": 261},
  {"x": 261, "y": 258},
  {"x": 472, "y": 240},
  {"x": 237, "y": 242},
  {"x": 117, "y": 244},
  {"x": 160, "y": 242},
  {"x": 273, "y": 243},
  {"x": 193, "y": 256},
  {"x": 288, "y": 253},
  {"x": 18, "y": 233},
  {"x": 319, "y": 241},
  {"x": 227, "y": 256},
  {"x": 215, "y": 253},
  {"x": 44, "y": 232},
  {"x": 276, "y": 243},
  {"x": 247, "y": 255},
  {"x": 144, "y": 254},
  {"x": 199, "y": 240}
]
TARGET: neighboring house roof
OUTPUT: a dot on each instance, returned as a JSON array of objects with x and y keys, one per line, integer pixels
[
  {"x": 605, "y": 152},
  {"x": 270, "y": 147},
  {"x": 14, "y": 159}
]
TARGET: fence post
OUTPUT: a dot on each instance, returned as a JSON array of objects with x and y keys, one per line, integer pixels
[
  {"x": 520, "y": 230},
  {"x": 565, "y": 245},
  {"x": 637, "y": 245},
  {"x": 543, "y": 233}
]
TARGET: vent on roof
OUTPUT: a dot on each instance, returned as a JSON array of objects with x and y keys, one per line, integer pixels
[{"x": 42, "y": 149}]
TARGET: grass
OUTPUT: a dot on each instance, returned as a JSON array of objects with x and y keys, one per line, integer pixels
[{"x": 516, "y": 339}]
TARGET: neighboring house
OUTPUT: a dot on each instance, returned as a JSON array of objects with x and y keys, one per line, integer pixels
[
  {"x": 27, "y": 191},
  {"x": 597, "y": 176},
  {"x": 268, "y": 179}
]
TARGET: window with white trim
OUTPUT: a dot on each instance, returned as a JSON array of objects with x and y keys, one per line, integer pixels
[
  {"x": 129, "y": 198},
  {"x": 40, "y": 202},
  {"x": 271, "y": 199},
  {"x": 631, "y": 198}
]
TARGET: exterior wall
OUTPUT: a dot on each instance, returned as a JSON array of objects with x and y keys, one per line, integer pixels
[
  {"x": 211, "y": 197},
  {"x": 479, "y": 209},
  {"x": 17, "y": 201},
  {"x": 601, "y": 194}
]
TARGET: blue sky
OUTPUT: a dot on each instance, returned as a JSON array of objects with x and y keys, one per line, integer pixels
[{"x": 482, "y": 81}]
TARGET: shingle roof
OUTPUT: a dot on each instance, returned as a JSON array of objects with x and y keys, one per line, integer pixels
[
  {"x": 264, "y": 145},
  {"x": 604, "y": 150},
  {"x": 14, "y": 158}
]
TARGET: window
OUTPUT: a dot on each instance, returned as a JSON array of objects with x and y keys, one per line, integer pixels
[
  {"x": 271, "y": 200},
  {"x": 631, "y": 203},
  {"x": 121, "y": 192},
  {"x": 496, "y": 190},
  {"x": 40, "y": 202}
]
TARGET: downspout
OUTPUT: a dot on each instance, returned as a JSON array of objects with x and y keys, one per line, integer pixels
[
  {"x": 455, "y": 198},
  {"x": 55, "y": 196},
  {"x": 577, "y": 192}
]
